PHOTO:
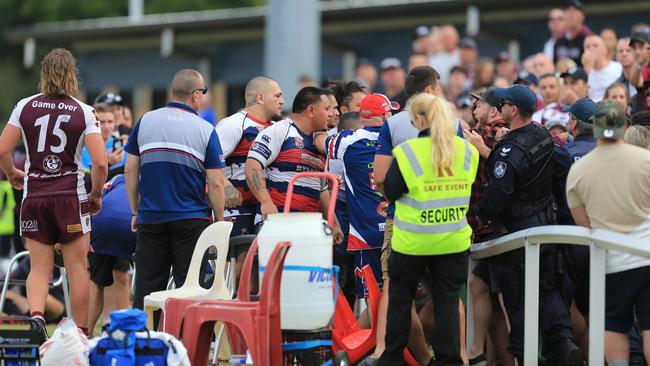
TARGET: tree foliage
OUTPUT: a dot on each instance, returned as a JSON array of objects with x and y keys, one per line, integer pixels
[{"x": 17, "y": 82}]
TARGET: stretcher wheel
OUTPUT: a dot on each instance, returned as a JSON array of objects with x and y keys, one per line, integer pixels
[{"x": 341, "y": 359}]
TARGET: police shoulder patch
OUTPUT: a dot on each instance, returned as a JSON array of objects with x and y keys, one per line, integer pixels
[{"x": 500, "y": 169}]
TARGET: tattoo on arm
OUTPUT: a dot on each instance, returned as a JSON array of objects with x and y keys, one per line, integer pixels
[{"x": 256, "y": 179}]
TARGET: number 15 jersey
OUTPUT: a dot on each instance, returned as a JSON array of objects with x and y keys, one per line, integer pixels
[{"x": 53, "y": 133}]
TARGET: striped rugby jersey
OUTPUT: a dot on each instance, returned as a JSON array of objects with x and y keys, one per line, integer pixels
[
  {"x": 236, "y": 135},
  {"x": 284, "y": 151}
]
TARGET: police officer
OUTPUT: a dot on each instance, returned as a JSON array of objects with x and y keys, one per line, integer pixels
[
  {"x": 430, "y": 182},
  {"x": 519, "y": 195}
]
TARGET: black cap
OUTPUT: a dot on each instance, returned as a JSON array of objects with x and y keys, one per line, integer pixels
[
  {"x": 573, "y": 4},
  {"x": 110, "y": 99},
  {"x": 642, "y": 37},
  {"x": 577, "y": 74},
  {"x": 487, "y": 96},
  {"x": 526, "y": 78}
]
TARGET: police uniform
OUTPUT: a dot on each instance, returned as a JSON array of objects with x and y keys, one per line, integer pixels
[
  {"x": 519, "y": 195},
  {"x": 430, "y": 231}
]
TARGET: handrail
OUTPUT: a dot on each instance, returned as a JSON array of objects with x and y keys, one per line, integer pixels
[{"x": 598, "y": 240}]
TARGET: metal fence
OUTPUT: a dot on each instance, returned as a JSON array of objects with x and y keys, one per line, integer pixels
[{"x": 599, "y": 241}]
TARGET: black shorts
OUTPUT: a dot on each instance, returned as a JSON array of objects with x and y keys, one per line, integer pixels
[
  {"x": 627, "y": 293},
  {"x": 102, "y": 267}
]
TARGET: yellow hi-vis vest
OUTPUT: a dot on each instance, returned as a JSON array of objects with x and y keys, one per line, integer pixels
[
  {"x": 7, "y": 214},
  {"x": 431, "y": 218}
]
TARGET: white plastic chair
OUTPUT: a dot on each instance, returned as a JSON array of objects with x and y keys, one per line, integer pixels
[{"x": 217, "y": 234}]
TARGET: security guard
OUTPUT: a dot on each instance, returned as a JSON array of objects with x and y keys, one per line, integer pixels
[
  {"x": 520, "y": 196},
  {"x": 430, "y": 182}
]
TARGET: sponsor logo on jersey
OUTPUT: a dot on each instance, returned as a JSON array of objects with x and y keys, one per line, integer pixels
[
  {"x": 300, "y": 142},
  {"x": 266, "y": 138},
  {"x": 261, "y": 149},
  {"x": 28, "y": 226},
  {"x": 52, "y": 163},
  {"x": 75, "y": 228}
]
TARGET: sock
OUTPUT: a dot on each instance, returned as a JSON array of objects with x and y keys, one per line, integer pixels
[
  {"x": 38, "y": 315},
  {"x": 619, "y": 362}
]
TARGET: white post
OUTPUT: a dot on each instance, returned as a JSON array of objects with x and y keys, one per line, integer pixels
[
  {"x": 29, "y": 52},
  {"x": 136, "y": 10},
  {"x": 597, "y": 265},
  {"x": 531, "y": 303}
]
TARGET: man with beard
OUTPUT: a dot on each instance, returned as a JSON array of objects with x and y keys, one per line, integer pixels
[{"x": 236, "y": 133}]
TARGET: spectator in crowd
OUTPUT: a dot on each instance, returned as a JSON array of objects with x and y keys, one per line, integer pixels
[
  {"x": 264, "y": 101},
  {"x": 641, "y": 118},
  {"x": 549, "y": 86},
  {"x": 486, "y": 306},
  {"x": 119, "y": 108},
  {"x": 610, "y": 38},
  {"x": 366, "y": 75},
  {"x": 506, "y": 68},
  {"x": 169, "y": 214},
  {"x": 113, "y": 146},
  {"x": 485, "y": 74},
  {"x": 542, "y": 65},
  {"x": 414, "y": 164},
  {"x": 564, "y": 65},
  {"x": 581, "y": 128},
  {"x": 578, "y": 85},
  {"x": 638, "y": 135},
  {"x": 113, "y": 245},
  {"x": 393, "y": 78},
  {"x": 616, "y": 202},
  {"x": 501, "y": 82},
  {"x": 602, "y": 70},
  {"x": 556, "y": 127},
  {"x": 128, "y": 118},
  {"x": 571, "y": 45},
  {"x": 619, "y": 93},
  {"x": 456, "y": 87},
  {"x": 447, "y": 57},
  {"x": 421, "y": 42},
  {"x": 56, "y": 208},
  {"x": 348, "y": 96},
  {"x": 557, "y": 26},
  {"x": 417, "y": 59},
  {"x": 469, "y": 59},
  {"x": 625, "y": 55},
  {"x": 640, "y": 44}
]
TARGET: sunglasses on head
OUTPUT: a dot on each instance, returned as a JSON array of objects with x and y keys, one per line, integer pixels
[{"x": 203, "y": 90}]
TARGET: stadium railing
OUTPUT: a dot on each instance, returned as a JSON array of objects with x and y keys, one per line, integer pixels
[{"x": 599, "y": 241}]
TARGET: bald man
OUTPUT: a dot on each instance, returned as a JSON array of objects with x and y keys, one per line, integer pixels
[
  {"x": 172, "y": 152},
  {"x": 236, "y": 133},
  {"x": 601, "y": 69}
]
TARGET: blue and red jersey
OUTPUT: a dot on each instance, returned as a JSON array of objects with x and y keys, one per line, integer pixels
[{"x": 366, "y": 205}]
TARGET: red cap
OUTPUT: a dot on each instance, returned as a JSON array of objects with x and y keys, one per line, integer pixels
[{"x": 373, "y": 105}]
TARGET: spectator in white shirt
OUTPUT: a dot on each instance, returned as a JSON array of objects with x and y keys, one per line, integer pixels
[
  {"x": 549, "y": 87},
  {"x": 449, "y": 55},
  {"x": 602, "y": 71},
  {"x": 557, "y": 27}
]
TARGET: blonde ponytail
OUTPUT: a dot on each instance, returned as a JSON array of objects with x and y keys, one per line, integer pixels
[{"x": 436, "y": 114}]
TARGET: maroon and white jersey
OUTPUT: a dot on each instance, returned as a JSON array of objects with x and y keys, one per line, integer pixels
[{"x": 53, "y": 133}]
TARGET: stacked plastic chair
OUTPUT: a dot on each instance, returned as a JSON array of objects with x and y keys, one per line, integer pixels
[
  {"x": 258, "y": 321},
  {"x": 348, "y": 336},
  {"x": 217, "y": 234}
]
